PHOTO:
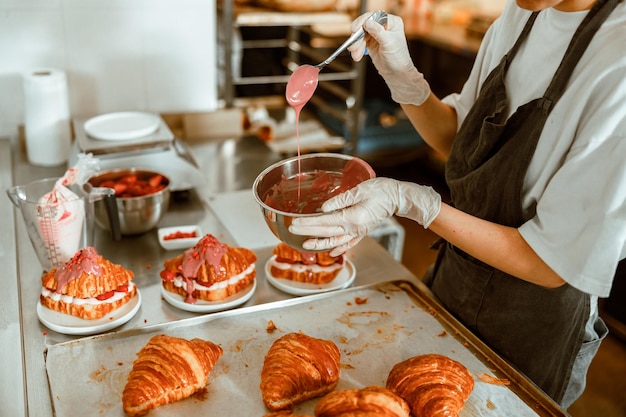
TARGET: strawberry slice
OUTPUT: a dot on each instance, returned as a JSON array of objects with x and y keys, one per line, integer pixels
[
  {"x": 120, "y": 188},
  {"x": 167, "y": 275},
  {"x": 155, "y": 180},
  {"x": 105, "y": 296}
]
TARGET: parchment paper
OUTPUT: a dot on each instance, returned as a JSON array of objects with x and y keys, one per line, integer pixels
[{"x": 87, "y": 376}]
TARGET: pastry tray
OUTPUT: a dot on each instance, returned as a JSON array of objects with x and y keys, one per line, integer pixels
[{"x": 374, "y": 326}]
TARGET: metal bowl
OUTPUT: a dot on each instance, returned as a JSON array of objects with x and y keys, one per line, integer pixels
[
  {"x": 278, "y": 201},
  {"x": 136, "y": 214}
]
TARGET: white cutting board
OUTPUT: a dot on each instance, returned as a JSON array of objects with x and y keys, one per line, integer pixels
[{"x": 241, "y": 215}]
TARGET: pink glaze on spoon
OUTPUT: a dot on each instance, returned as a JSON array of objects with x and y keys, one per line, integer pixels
[{"x": 301, "y": 86}]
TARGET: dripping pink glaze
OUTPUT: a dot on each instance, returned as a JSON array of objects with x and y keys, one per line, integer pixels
[
  {"x": 300, "y": 89},
  {"x": 208, "y": 250},
  {"x": 85, "y": 260},
  {"x": 190, "y": 299}
]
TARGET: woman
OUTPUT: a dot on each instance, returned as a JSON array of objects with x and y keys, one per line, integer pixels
[{"x": 536, "y": 147}]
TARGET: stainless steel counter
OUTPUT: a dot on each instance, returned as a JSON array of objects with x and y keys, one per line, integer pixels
[
  {"x": 229, "y": 165},
  {"x": 12, "y": 391}
]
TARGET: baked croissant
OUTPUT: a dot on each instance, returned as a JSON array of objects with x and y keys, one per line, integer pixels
[
  {"x": 308, "y": 267},
  {"x": 284, "y": 413},
  {"x": 168, "y": 369},
  {"x": 298, "y": 367},
  {"x": 370, "y": 401},
  {"x": 433, "y": 385},
  {"x": 286, "y": 252},
  {"x": 209, "y": 271},
  {"x": 87, "y": 286}
]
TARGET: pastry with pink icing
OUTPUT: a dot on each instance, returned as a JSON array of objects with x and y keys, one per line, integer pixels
[
  {"x": 209, "y": 271},
  {"x": 307, "y": 267},
  {"x": 87, "y": 286}
]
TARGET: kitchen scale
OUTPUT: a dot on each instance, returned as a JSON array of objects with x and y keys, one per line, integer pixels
[{"x": 136, "y": 139}]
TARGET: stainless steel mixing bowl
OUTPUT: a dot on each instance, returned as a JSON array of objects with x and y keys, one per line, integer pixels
[
  {"x": 268, "y": 182},
  {"x": 136, "y": 214}
]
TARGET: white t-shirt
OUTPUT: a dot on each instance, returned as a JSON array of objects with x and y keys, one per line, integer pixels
[{"x": 577, "y": 176}]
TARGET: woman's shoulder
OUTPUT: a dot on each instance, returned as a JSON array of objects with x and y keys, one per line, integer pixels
[
  {"x": 513, "y": 17},
  {"x": 505, "y": 30}
]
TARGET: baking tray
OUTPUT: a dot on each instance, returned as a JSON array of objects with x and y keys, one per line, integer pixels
[{"x": 374, "y": 326}]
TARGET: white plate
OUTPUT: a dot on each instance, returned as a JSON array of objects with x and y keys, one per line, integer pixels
[
  {"x": 67, "y": 324},
  {"x": 180, "y": 243},
  {"x": 202, "y": 306},
  {"x": 122, "y": 125},
  {"x": 344, "y": 279}
]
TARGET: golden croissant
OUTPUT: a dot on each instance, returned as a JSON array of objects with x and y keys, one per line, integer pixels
[
  {"x": 433, "y": 385},
  {"x": 370, "y": 401},
  {"x": 284, "y": 413},
  {"x": 298, "y": 367},
  {"x": 285, "y": 253},
  {"x": 309, "y": 267},
  {"x": 168, "y": 369}
]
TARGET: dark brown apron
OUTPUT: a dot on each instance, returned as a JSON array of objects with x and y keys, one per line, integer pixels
[{"x": 539, "y": 330}]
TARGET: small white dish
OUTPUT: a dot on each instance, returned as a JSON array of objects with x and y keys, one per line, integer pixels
[
  {"x": 202, "y": 306},
  {"x": 344, "y": 279},
  {"x": 179, "y": 243},
  {"x": 122, "y": 125},
  {"x": 71, "y": 325}
]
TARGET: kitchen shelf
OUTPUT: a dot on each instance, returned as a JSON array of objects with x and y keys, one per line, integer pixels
[
  {"x": 310, "y": 38},
  {"x": 245, "y": 15}
]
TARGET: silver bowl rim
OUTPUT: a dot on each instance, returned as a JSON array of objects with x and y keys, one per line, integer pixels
[
  {"x": 134, "y": 169},
  {"x": 260, "y": 177}
]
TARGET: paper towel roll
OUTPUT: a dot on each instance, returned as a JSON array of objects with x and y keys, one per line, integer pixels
[{"x": 46, "y": 117}]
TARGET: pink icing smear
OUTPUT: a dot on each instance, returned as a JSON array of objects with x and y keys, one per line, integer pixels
[
  {"x": 84, "y": 260},
  {"x": 308, "y": 258},
  {"x": 208, "y": 250}
]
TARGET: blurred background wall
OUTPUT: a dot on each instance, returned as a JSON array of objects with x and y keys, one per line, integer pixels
[{"x": 152, "y": 55}]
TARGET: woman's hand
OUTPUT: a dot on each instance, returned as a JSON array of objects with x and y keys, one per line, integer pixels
[
  {"x": 353, "y": 214},
  {"x": 389, "y": 51}
]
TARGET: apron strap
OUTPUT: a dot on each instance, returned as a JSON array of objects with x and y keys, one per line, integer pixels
[
  {"x": 508, "y": 57},
  {"x": 576, "y": 48}
]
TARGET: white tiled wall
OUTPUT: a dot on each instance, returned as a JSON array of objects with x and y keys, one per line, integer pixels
[{"x": 152, "y": 55}]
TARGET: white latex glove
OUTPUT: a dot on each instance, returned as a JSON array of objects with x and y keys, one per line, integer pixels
[
  {"x": 389, "y": 51},
  {"x": 353, "y": 214}
]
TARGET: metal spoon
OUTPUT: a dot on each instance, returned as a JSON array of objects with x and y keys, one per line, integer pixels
[
  {"x": 379, "y": 16},
  {"x": 304, "y": 79}
]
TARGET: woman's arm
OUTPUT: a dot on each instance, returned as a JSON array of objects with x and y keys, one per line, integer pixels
[
  {"x": 388, "y": 49},
  {"x": 499, "y": 246},
  {"x": 435, "y": 121},
  {"x": 353, "y": 214}
]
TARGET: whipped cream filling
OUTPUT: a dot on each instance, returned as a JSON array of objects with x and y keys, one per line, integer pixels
[
  {"x": 305, "y": 268},
  {"x": 68, "y": 299},
  {"x": 179, "y": 281}
]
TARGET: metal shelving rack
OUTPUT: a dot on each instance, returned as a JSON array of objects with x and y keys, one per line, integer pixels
[{"x": 342, "y": 81}]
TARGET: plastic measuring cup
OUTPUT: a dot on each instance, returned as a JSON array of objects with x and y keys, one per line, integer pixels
[{"x": 56, "y": 231}]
